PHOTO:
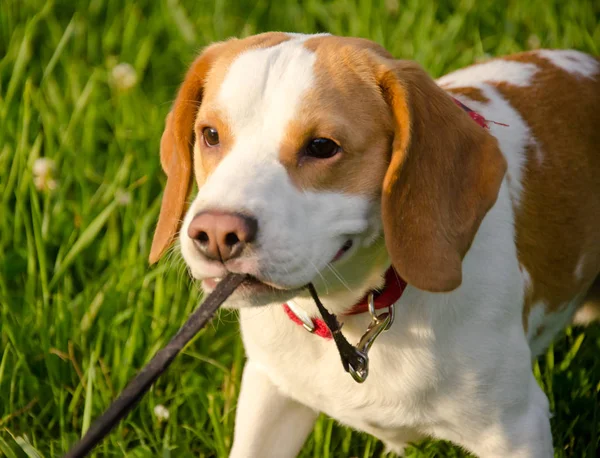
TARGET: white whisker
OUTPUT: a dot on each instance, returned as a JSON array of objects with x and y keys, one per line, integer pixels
[
  {"x": 335, "y": 272},
  {"x": 322, "y": 277}
]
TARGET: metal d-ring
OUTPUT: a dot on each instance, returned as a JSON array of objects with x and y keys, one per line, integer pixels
[
  {"x": 373, "y": 313},
  {"x": 379, "y": 324}
]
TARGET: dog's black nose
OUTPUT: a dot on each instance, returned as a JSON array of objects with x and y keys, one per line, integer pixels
[{"x": 222, "y": 235}]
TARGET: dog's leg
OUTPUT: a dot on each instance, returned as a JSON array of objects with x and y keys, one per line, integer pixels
[
  {"x": 268, "y": 423},
  {"x": 520, "y": 428}
]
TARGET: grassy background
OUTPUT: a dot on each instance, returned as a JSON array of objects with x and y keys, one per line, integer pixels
[{"x": 80, "y": 311}]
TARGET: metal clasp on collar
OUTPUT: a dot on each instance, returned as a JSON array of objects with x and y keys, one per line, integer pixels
[{"x": 379, "y": 323}]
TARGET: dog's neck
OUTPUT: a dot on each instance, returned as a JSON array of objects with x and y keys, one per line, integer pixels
[{"x": 347, "y": 283}]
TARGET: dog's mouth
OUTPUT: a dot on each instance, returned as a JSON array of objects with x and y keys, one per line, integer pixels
[
  {"x": 257, "y": 285},
  {"x": 250, "y": 283},
  {"x": 343, "y": 250}
]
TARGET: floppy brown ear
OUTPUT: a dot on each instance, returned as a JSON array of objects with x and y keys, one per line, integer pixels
[
  {"x": 444, "y": 175},
  {"x": 176, "y": 147}
]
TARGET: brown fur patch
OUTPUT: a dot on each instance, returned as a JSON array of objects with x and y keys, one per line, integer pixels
[
  {"x": 558, "y": 214},
  {"x": 346, "y": 106}
]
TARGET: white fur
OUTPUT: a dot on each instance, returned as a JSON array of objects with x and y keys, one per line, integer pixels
[
  {"x": 494, "y": 71},
  {"x": 258, "y": 432},
  {"x": 549, "y": 325},
  {"x": 454, "y": 366},
  {"x": 535, "y": 320},
  {"x": 574, "y": 62}
]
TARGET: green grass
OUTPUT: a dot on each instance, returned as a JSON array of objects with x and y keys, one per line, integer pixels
[{"x": 80, "y": 311}]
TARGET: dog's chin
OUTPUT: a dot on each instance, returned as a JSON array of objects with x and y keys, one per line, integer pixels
[{"x": 253, "y": 292}]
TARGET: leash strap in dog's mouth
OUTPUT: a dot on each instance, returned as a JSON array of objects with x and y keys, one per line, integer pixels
[
  {"x": 142, "y": 382},
  {"x": 355, "y": 359}
]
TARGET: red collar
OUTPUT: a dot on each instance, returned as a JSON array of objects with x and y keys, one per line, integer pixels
[
  {"x": 473, "y": 114},
  {"x": 394, "y": 285},
  {"x": 392, "y": 290}
]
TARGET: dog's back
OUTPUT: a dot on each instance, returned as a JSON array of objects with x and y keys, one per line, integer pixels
[{"x": 551, "y": 103}]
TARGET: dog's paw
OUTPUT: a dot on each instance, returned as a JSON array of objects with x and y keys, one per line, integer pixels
[{"x": 393, "y": 450}]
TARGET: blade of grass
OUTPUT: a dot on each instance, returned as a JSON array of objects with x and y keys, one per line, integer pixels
[{"x": 82, "y": 242}]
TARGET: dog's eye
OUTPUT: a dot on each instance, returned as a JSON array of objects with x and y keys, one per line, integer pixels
[
  {"x": 322, "y": 148},
  {"x": 211, "y": 136}
]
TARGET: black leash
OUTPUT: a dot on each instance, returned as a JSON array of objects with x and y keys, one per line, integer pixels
[
  {"x": 351, "y": 356},
  {"x": 148, "y": 375}
]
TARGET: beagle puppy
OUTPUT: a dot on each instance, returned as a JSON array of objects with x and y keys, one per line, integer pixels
[{"x": 324, "y": 160}]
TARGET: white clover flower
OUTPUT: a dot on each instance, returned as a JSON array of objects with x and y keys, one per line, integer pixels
[
  {"x": 124, "y": 76},
  {"x": 161, "y": 412},
  {"x": 43, "y": 166},
  {"x": 45, "y": 184},
  {"x": 123, "y": 197},
  {"x": 43, "y": 169}
]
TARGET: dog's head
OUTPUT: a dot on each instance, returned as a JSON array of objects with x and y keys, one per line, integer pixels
[{"x": 306, "y": 149}]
